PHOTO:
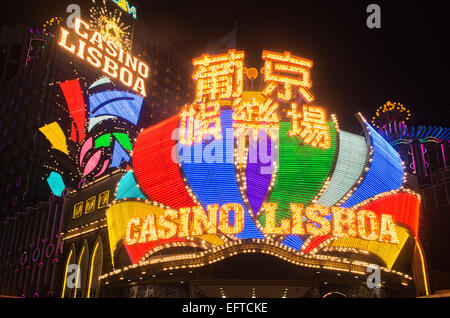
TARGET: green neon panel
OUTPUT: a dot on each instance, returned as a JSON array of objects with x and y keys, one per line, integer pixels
[
  {"x": 302, "y": 171},
  {"x": 103, "y": 141},
  {"x": 124, "y": 140}
]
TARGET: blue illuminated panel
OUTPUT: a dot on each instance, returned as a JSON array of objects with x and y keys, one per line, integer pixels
[
  {"x": 294, "y": 241},
  {"x": 213, "y": 178},
  {"x": 385, "y": 173},
  {"x": 128, "y": 188},
  {"x": 116, "y": 103}
]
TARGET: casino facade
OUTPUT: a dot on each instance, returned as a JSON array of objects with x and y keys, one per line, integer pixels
[{"x": 238, "y": 192}]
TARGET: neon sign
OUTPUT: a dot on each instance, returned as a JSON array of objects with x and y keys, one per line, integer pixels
[
  {"x": 315, "y": 186},
  {"x": 345, "y": 223},
  {"x": 124, "y": 5},
  {"x": 104, "y": 54}
]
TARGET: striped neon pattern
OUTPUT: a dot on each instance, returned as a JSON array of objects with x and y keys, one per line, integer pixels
[
  {"x": 388, "y": 253},
  {"x": 385, "y": 172},
  {"x": 301, "y": 174},
  {"x": 157, "y": 174},
  {"x": 75, "y": 103},
  {"x": 116, "y": 103},
  {"x": 349, "y": 167},
  {"x": 258, "y": 172},
  {"x": 213, "y": 178},
  {"x": 302, "y": 171}
]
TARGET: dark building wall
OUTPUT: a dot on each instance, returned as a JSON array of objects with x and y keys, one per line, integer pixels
[
  {"x": 30, "y": 98},
  {"x": 436, "y": 221},
  {"x": 22, "y": 111},
  {"x": 31, "y": 252}
]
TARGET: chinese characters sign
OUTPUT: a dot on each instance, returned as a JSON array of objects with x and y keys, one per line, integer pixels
[{"x": 220, "y": 83}]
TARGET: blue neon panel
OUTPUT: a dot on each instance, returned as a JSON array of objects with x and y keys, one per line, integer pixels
[
  {"x": 349, "y": 167},
  {"x": 116, "y": 103},
  {"x": 128, "y": 188},
  {"x": 294, "y": 241},
  {"x": 56, "y": 183},
  {"x": 119, "y": 154},
  {"x": 215, "y": 182},
  {"x": 385, "y": 173}
]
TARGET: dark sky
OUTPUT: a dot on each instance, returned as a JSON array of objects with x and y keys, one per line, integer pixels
[{"x": 356, "y": 68}]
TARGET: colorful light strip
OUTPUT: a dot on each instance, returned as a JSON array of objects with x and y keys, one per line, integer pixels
[
  {"x": 301, "y": 174},
  {"x": 75, "y": 103},
  {"x": 386, "y": 171},
  {"x": 388, "y": 253},
  {"x": 349, "y": 167},
  {"x": 55, "y": 135},
  {"x": 214, "y": 181},
  {"x": 258, "y": 177},
  {"x": 116, "y": 103},
  {"x": 157, "y": 174},
  {"x": 302, "y": 171}
]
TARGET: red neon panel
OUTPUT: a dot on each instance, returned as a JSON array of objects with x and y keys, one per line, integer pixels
[
  {"x": 136, "y": 252},
  {"x": 316, "y": 241},
  {"x": 405, "y": 207},
  {"x": 75, "y": 103},
  {"x": 155, "y": 171}
]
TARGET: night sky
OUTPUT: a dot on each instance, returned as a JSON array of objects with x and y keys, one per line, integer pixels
[{"x": 356, "y": 68}]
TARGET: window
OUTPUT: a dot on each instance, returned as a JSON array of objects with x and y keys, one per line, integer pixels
[{"x": 430, "y": 201}]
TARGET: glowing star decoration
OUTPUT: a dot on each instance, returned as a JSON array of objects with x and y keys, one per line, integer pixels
[
  {"x": 310, "y": 125},
  {"x": 391, "y": 112},
  {"x": 288, "y": 72},
  {"x": 256, "y": 115},
  {"x": 219, "y": 77},
  {"x": 110, "y": 26}
]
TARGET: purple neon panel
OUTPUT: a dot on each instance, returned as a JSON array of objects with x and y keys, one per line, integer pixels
[{"x": 258, "y": 172}]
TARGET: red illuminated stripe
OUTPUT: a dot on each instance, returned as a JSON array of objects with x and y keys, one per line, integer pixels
[
  {"x": 316, "y": 241},
  {"x": 75, "y": 103},
  {"x": 405, "y": 207},
  {"x": 137, "y": 252},
  {"x": 156, "y": 172}
]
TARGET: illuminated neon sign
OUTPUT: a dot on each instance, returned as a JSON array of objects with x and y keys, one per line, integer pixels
[
  {"x": 104, "y": 54},
  {"x": 345, "y": 223},
  {"x": 202, "y": 179},
  {"x": 125, "y": 6}
]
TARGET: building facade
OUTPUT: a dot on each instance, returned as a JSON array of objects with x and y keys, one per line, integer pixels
[{"x": 225, "y": 191}]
